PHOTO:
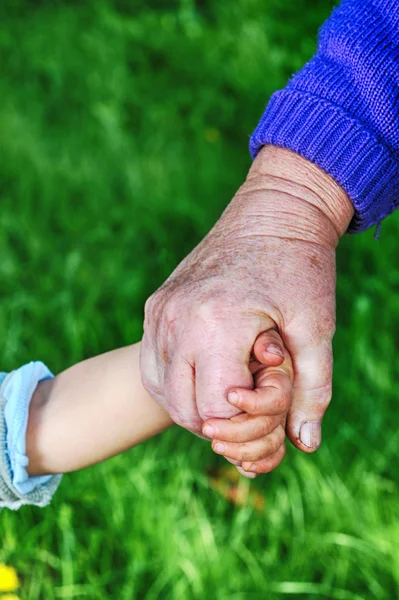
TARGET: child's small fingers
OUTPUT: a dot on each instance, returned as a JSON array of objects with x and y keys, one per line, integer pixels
[
  {"x": 247, "y": 474},
  {"x": 242, "y": 428},
  {"x": 267, "y": 464},
  {"x": 254, "y": 450},
  {"x": 273, "y": 398},
  {"x": 271, "y": 356},
  {"x": 269, "y": 349},
  {"x": 237, "y": 464}
]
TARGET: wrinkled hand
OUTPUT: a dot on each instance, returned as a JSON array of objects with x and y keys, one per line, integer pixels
[{"x": 269, "y": 262}]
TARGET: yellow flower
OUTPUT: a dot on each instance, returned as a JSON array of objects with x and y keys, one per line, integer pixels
[
  {"x": 9, "y": 597},
  {"x": 9, "y": 581}
]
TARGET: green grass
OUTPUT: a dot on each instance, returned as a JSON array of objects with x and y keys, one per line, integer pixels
[{"x": 123, "y": 134}]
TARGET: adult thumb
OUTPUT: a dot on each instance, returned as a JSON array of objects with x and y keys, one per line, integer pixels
[{"x": 311, "y": 395}]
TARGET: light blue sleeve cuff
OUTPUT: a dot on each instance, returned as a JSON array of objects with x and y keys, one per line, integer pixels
[{"x": 18, "y": 391}]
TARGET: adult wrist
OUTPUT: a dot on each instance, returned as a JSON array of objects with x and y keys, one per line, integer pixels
[{"x": 297, "y": 176}]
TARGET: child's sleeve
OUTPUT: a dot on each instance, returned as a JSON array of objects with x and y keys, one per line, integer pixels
[{"x": 16, "y": 487}]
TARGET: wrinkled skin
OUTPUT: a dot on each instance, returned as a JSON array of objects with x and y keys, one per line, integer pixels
[{"x": 269, "y": 262}]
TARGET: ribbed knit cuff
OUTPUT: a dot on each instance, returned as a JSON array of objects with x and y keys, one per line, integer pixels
[{"x": 340, "y": 145}]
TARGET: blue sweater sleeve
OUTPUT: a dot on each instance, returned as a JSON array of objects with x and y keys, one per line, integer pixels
[{"x": 341, "y": 111}]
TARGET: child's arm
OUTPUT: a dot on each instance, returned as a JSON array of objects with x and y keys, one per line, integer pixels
[
  {"x": 90, "y": 412},
  {"x": 99, "y": 408}
]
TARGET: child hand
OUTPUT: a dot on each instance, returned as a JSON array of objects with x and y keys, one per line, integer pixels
[{"x": 255, "y": 439}]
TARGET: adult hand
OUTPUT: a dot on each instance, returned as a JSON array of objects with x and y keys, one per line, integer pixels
[{"x": 268, "y": 262}]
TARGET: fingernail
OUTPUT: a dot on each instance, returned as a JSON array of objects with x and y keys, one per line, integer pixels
[
  {"x": 209, "y": 431},
  {"x": 310, "y": 434},
  {"x": 252, "y": 468},
  {"x": 233, "y": 397},
  {"x": 274, "y": 349},
  {"x": 219, "y": 447}
]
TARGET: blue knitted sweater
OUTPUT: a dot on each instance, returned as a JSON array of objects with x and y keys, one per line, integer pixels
[{"x": 341, "y": 111}]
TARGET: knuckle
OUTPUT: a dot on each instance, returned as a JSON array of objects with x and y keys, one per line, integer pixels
[
  {"x": 211, "y": 309},
  {"x": 214, "y": 311},
  {"x": 150, "y": 305},
  {"x": 321, "y": 396},
  {"x": 170, "y": 312},
  {"x": 160, "y": 306}
]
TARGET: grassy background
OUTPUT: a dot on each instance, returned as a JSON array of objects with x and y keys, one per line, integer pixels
[{"x": 123, "y": 134}]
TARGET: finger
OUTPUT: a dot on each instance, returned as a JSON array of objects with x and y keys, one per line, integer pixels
[
  {"x": 269, "y": 349},
  {"x": 311, "y": 395},
  {"x": 273, "y": 383},
  {"x": 272, "y": 399},
  {"x": 268, "y": 464},
  {"x": 237, "y": 464},
  {"x": 254, "y": 450},
  {"x": 149, "y": 370},
  {"x": 179, "y": 389},
  {"x": 246, "y": 473},
  {"x": 222, "y": 362},
  {"x": 242, "y": 428}
]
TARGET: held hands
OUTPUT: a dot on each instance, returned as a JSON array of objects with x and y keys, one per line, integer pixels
[
  {"x": 269, "y": 262},
  {"x": 255, "y": 439}
]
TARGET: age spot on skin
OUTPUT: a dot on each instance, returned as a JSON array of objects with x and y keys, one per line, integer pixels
[{"x": 314, "y": 261}]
